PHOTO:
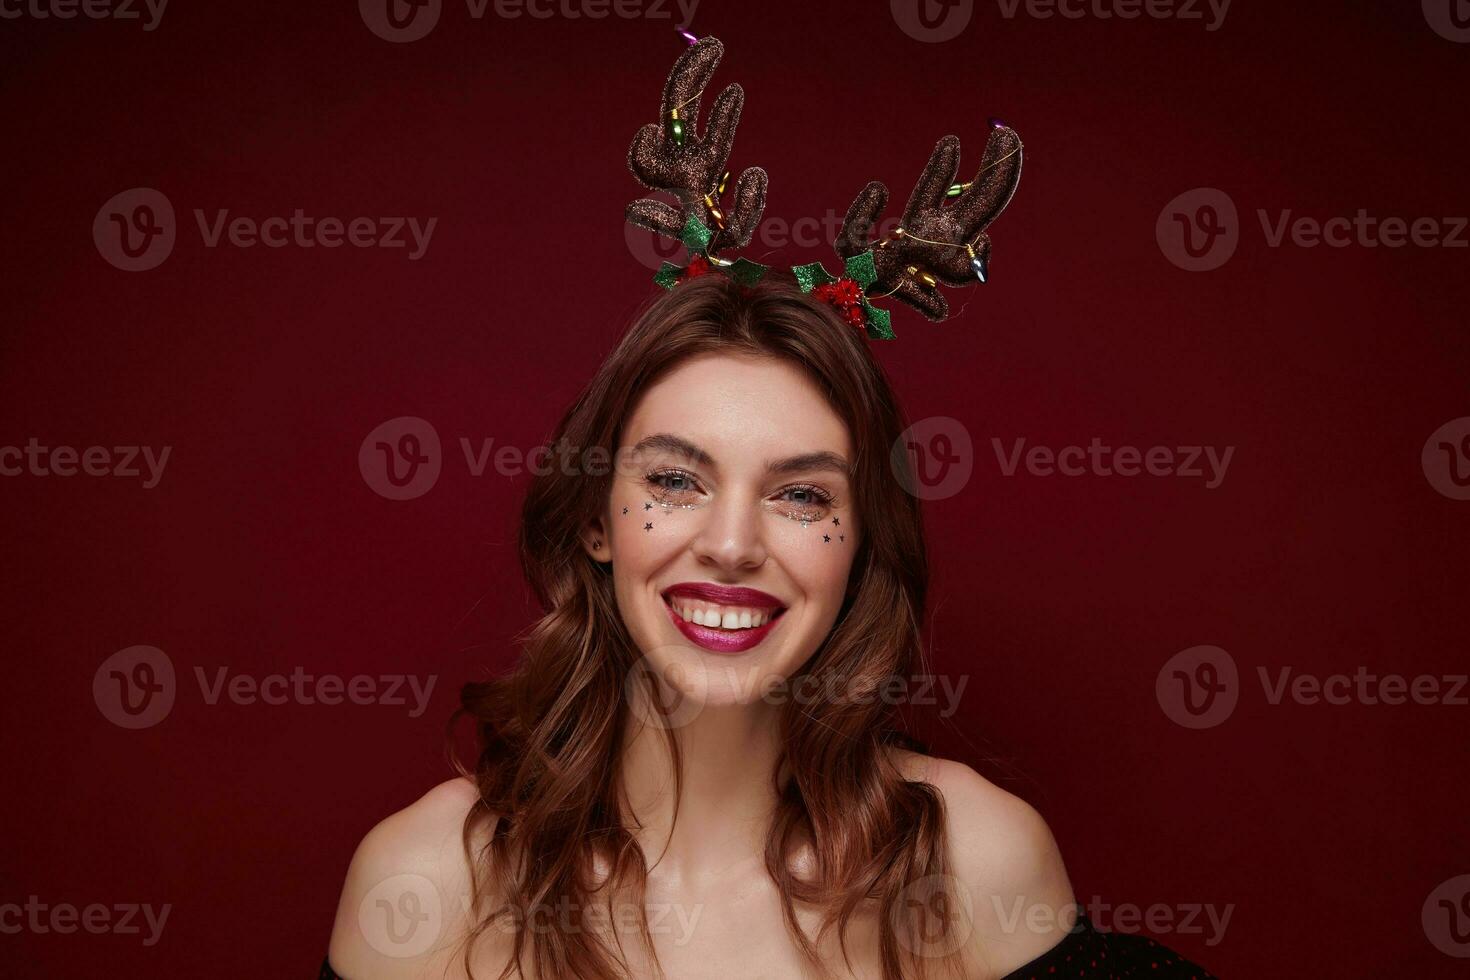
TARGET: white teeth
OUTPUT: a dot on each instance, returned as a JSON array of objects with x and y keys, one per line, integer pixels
[{"x": 720, "y": 617}]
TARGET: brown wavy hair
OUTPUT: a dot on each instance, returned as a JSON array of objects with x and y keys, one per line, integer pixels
[{"x": 551, "y": 731}]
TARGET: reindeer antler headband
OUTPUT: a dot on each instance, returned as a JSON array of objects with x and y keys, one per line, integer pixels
[{"x": 941, "y": 238}]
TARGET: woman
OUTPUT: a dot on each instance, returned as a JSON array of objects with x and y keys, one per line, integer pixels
[{"x": 692, "y": 773}]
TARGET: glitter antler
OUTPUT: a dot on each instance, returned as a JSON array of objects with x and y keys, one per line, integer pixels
[
  {"x": 937, "y": 242},
  {"x": 671, "y": 156}
]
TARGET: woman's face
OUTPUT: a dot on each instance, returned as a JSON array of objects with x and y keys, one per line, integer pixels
[{"x": 730, "y": 506}]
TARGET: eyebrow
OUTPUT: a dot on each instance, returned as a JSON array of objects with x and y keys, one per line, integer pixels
[{"x": 803, "y": 463}]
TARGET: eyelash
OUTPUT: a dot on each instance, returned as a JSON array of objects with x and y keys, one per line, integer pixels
[{"x": 809, "y": 512}]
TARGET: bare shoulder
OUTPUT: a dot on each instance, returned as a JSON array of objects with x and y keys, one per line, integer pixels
[
  {"x": 403, "y": 902},
  {"x": 1004, "y": 854}
]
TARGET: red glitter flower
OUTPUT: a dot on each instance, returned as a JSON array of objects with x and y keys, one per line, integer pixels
[
  {"x": 845, "y": 295},
  {"x": 848, "y": 291},
  {"x": 698, "y": 266}
]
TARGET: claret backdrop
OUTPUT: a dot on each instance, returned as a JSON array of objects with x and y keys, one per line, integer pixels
[{"x": 1197, "y": 459}]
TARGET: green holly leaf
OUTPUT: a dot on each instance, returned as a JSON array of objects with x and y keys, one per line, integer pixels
[
  {"x": 746, "y": 272},
  {"x": 695, "y": 235},
  {"x": 880, "y": 322},
  {"x": 811, "y": 275},
  {"x": 861, "y": 268},
  {"x": 668, "y": 275}
]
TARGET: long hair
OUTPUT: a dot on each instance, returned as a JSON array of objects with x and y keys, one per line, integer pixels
[{"x": 551, "y": 731}]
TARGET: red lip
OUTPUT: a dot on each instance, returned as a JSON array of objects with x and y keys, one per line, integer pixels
[
  {"x": 717, "y": 640},
  {"x": 726, "y": 595},
  {"x": 721, "y": 641}
]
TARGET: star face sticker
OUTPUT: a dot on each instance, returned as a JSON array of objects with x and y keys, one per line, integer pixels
[
  {"x": 841, "y": 537},
  {"x": 826, "y": 537},
  {"x": 648, "y": 505},
  {"x": 836, "y": 522},
  {"x": 625, "y": 510},
  {"x": 648, "y": 527}
]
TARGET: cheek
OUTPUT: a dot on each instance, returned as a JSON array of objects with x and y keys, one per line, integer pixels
[{"x": 818, "y": 555}]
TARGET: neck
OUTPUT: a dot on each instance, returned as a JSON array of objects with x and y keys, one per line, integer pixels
[{"x": 728, "y": 758}]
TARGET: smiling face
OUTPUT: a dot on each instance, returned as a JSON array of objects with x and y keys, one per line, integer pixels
[{"x": 730, "y": 506}]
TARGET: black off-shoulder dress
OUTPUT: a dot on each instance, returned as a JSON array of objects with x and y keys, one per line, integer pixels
[{"x": 1083, "y": 953}]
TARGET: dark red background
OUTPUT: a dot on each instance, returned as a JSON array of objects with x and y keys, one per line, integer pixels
[{"x": 263, "y": 549}]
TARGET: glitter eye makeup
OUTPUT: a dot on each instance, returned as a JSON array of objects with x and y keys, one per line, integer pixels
[
  {"x": 672, "y": 488},
  {"x": 677, "y": 488}
]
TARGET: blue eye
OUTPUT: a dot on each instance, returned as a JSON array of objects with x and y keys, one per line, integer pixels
[{"x": 675, "y": 487}]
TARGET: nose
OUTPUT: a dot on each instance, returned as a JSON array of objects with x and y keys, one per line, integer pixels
[{"x": 731, "y": 538}]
